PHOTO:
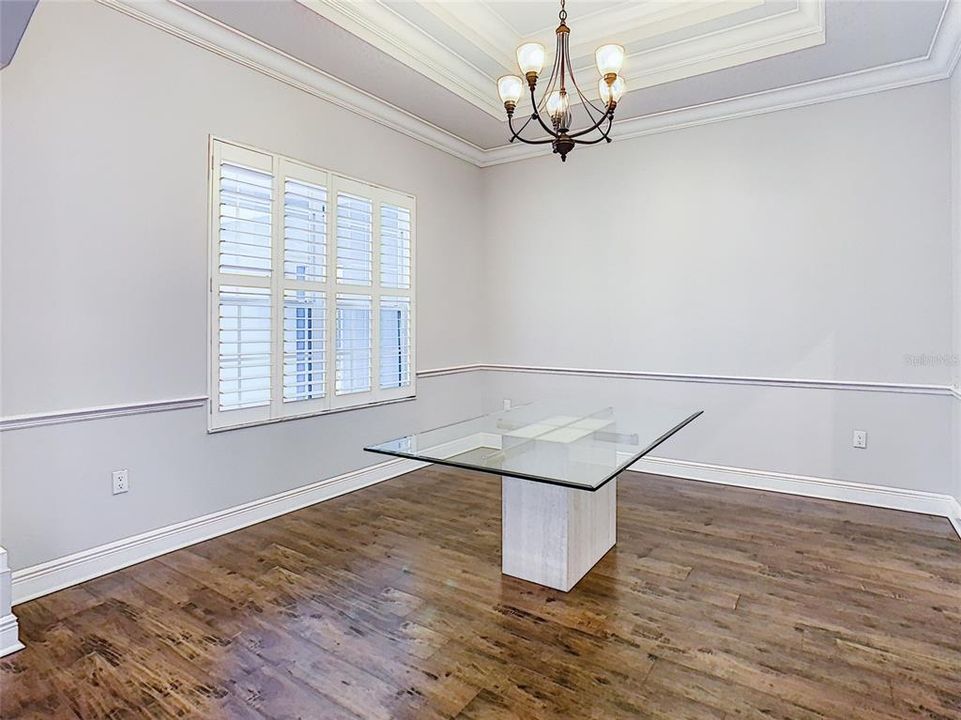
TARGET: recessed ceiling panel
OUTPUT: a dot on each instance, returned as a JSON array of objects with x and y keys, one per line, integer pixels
[{"x": 440, "y": 60}]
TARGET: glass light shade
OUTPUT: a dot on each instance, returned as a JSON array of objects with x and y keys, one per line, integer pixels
[
  {"x": 612, "y": 91},
  {"x": 530, "y": 57},
  {"x": 609, "y": 59},
  {"x": 557, "y": 105},
  {"x": 510, "y": 88}
]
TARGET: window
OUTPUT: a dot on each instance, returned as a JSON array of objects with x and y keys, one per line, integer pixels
[{"x": 311, "y": 289}]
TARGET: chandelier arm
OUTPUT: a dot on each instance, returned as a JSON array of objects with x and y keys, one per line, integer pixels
[
  {"x": 610, "y": 121},
  {"x": 534, "y": 142},
  {"x": 605, "y": 135},
  {"x": 587, "y": 103},
  {"x": 516, "y": 135}
]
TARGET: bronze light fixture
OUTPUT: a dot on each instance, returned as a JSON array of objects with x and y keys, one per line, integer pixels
[{"x": 556, "y": 101}]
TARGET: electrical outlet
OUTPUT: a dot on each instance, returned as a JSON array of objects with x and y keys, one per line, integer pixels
[
  {"x": 507, "y": 403},
  {"x": 860, "y": 439},
  {"x": 121, "y": 483}
]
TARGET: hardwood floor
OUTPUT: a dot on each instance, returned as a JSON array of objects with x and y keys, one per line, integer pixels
[{"x": 389, "y": 603}]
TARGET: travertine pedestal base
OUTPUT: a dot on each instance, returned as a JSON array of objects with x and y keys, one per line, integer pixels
[{"x": 551, "y": 534}]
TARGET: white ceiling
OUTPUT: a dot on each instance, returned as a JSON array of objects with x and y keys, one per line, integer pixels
[{"x": 439, "y": 61}]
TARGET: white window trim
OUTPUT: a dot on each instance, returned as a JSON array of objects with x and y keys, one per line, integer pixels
[{"x": 278, "y": 410}]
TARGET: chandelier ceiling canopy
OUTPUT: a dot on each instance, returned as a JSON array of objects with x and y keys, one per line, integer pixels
[{"x": 556, "y": 99}]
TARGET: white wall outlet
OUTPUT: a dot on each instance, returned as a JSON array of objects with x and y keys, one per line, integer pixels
[
  {"x": 121, "y": 483},
  {"x": 507, "y": 403},
  {"x": 860, "y": 439}
]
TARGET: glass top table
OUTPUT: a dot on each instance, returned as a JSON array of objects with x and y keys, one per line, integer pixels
[
  {"x": 547, "y": 442},
  {"x": 559, "y": 464}
]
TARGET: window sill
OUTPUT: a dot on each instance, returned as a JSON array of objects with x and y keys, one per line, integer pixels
[{"x": 304, "y": 416}]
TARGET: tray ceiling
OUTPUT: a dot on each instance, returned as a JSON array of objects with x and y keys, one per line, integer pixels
[
  {"x": 466, "y": 46},
  {"x": 429, "y": 68}
]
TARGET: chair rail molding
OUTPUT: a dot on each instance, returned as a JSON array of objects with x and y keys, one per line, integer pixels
[
  {"x": 59, "y": 417},
  {"x": 62, "y": 417},
  {"x": 190, "y": 25},
  {"x": 810, "y": 383}
]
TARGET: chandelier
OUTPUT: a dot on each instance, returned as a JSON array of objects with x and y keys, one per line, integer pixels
[{"x": 556, "y": 100}]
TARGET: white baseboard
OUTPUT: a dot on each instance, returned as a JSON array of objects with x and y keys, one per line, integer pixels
[
  {"x": 9, "y": 629},
  {"x": 816, "y": 487},
  {"x": 38, "y": 580},
  {"x": 9, "y": 635},
  {"x": 955, "y": 515}
]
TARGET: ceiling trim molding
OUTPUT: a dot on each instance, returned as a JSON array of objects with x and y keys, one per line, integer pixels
[
  {"x": 639, "y": 21},
  {"x": 937, "y": 64},
  {"x": 382, "y": 27},
  {"x": 388, "y": 31},
  {"x": 790, "y": 31},
  {"x": 198, "y": 29},
  {"x": 187, "y": 24}
]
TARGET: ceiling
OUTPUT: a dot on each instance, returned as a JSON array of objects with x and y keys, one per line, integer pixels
[{"x": 429, "y": 69}]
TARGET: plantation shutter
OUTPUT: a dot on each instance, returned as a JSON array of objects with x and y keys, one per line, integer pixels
[
  {"x": 242, "y": 228},
  {"x": 311, "y": 283}
]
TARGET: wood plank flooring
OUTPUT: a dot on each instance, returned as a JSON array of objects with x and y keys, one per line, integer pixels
[{"x": 389, "y": 603}]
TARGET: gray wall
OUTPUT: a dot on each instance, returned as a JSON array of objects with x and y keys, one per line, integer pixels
[
  {"x": 812, "y": 243},
  {"x": 105, "y": 125}
]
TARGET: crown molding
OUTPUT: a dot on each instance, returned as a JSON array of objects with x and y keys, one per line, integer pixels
[
  {"x": 479, "y": 25},
  {"x": 638, "y": 21},
  {"x": 796, "y": 29},
  {"x": 187, "y": 24},
  {"x": 388, "y": 31},
  {"x": 488, "y": 31}
]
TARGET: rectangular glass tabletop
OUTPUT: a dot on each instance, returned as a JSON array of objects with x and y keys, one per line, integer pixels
[{"x": 580, "y": 447}]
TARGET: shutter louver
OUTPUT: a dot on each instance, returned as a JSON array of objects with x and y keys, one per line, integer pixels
[
  {"x": 394, "y": 342},
  {"x": 354, "y": 239},
  {"x": 245, "y": 227},
  {"x": 394, "y": 246},
  {"x": 305, "y": 345},
  {"x": 305, "y": 231},
  {"x": 353, "y": 344},
  {"x": 244, "y": 342}
]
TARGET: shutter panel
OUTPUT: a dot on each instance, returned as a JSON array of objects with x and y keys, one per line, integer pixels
[
  {"x": 311, "y": 288},
  {"x": 394, "y": 246},
  {"x": 305, "y": 231},
  {"x": 305, "y": 345},
  {"x": 245, "y": 220},
  {"x": 244, "y": 347},
  {"x": 353, "y": 344},
  {"x": 354, "y": 239},
  {"x": 394, "y": 342}
]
